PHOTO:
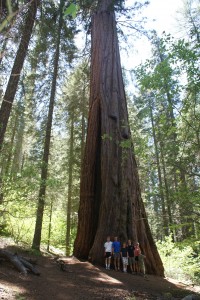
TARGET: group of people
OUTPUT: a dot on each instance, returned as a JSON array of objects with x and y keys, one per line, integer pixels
[{"x": 128, "y": 253}]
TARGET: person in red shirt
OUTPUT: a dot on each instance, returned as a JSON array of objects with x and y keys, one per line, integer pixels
[{"x": 137, "y": 253}]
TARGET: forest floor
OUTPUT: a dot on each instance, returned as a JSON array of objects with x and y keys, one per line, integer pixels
[{"x": 82, "y": 280}]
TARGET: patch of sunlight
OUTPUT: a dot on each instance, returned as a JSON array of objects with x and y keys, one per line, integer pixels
[
  {"x": 108, "y": 279},
  {"x": 10, "y": 290}
]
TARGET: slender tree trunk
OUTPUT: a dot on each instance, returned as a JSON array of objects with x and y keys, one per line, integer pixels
[
  {"x": 166, "y": 188},
  {"x": 70, "y": 180},
  {"x": 110, "y": 198},
  {"x": 1, "y": 190},
  {"x": 50, "y": 223},
  {"x": 17, "y": 157},
  {"x": 162, "y": 198},
  {"x": 172, "y": 125},
  {"x": 11, "y": 144},
  {"x": 5, "y": 169},
  {"x": 186, "y": 208},
  {"x": 11, "y": 89},
  {"x": 45, "y": 159},
  {"x": 172, "y": 122},
  {"x": 3, "y": 50}
]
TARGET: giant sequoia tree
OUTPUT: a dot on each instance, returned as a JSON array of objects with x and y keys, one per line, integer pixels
[{"x": 110, "y": 198}]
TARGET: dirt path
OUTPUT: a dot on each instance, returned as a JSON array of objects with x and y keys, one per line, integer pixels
[{"x": 81, "y": 280}]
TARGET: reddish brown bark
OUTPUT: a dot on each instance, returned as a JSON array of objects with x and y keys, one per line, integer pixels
[{"x": 110, "y": 198}]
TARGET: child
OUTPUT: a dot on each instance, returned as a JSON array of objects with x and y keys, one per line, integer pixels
[
  {"x": 141, "y": 264},
  {"x": 124, "y": 256},
  {"x": 137, "y": 253},
  {"x": 108, "y": 251}
]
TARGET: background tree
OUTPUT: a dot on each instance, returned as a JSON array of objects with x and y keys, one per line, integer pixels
[
  {"x": 46, "y": 151},
  {"x": 165, "y": 85},
  {"x": 8, "y": 99},
  {"x": 76, "y": 105}
]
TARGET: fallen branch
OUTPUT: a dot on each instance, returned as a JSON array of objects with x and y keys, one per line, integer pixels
[
  {"x": 29, "y": 266},
  {"x": 21, "y": 264}
]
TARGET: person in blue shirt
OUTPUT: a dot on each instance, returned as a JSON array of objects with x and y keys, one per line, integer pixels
[{"x": 116, "y": 253}]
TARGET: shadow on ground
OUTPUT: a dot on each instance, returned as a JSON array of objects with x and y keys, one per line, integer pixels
[{"x": 81, "y": 280}]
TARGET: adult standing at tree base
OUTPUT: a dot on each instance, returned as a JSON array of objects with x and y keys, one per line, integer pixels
[
  {"x": 131, "y": 259},
  {"x": 108, "y": 252},
  {"x": 116, "y": 246}
]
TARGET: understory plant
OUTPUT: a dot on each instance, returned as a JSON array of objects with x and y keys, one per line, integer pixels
[{"x": 180, "y": 262}]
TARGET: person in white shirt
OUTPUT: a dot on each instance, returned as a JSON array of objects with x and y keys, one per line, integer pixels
[{"x": 108, "y": 252}]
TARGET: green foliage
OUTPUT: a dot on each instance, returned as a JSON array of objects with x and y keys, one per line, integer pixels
[
  {"x": 18, "y": 206},
  {"x": 9, "y": 10},
  {"x": 58, "y": 229},
  {"x": 34, "y": 252},
  {"x": 168, "y": 113},
  {"x": 106, "y": 136},
  {"x": 180, "y": 261},
  {"x": 71, "y": 10},
  {"x": 20, "y": 297},
  {"x": 126, "y": 144}
]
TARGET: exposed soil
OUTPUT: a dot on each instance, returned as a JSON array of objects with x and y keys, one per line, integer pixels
[{"x": 82, "y": 280}]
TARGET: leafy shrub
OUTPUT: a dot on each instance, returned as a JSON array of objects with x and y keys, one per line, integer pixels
[{"x": 180, "y": 262}]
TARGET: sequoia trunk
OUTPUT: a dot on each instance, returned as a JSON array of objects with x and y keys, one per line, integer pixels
[{"x": 110, "y": 198}]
